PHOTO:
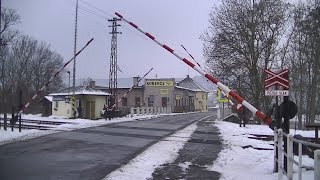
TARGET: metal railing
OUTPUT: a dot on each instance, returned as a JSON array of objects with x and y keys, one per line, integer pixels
[
  {"x": 278, "y": 146},
  {"x": 149, "y": 110}
]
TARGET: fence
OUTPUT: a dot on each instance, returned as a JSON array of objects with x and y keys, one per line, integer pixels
[
  {"x": 149, "y": 110},
  {"x": 8, "y": 122},
  {"x": 278, "y": 146}
]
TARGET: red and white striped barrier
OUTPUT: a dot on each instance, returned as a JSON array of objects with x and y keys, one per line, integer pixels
[
  {"x": 224, "y": 88},
  {"x": 50, "y": 80},
  {"x": 237, "y": 107}
]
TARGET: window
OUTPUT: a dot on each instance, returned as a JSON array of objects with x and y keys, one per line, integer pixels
[
  {"x": 77, "y": 103},
  {"x": 125, "y": 102},
  {"x": 151, "y": 100},
  {"x": 164, "y": 101},
  {"x": 137, "y": 103},
  {"x": 56, "y": 105}
]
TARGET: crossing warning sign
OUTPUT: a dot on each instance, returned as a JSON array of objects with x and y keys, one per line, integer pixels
[{"x": 280, "y": 79}]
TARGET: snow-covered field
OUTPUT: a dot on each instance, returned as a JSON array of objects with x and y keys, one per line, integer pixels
[{"x": 234, "y": 161}]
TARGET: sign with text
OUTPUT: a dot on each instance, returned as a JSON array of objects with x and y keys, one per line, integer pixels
[
  {"x": 276, "y": 92},
  {"x": 159, "y": 83},
  {"x": 163, "y": 91}
]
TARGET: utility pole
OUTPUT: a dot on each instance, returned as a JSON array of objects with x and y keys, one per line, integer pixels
[
  {"x": 74, "y": 64},
  {"x": 113, "y": 73},
  {"x": 2, "y": 95}
]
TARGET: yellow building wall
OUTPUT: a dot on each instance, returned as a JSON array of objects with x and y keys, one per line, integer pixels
[
  {"x": 201, "y": 101},
  {"x": 63, "y": 109},
  {"x": 99, "y": 102}
]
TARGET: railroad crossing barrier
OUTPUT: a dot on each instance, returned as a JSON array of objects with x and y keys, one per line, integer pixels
[
  {"x": 279, "y": 135},
  {"x": 149, "y": 110},
  {"x": 223, "y": 87}
]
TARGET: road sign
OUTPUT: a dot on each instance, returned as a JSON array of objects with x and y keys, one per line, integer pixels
[
  {"x": 281, "y": 78},
  {"x": 276, "y": 92},
  {"x": 221, "y": 97}
]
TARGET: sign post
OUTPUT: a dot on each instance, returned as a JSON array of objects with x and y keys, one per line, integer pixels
[{"x": 279, "y": 79}]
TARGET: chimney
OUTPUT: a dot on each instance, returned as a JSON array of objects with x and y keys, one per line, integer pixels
[
  {"x": 92, "y": 84},
  {"x": 135, "y": 81}
]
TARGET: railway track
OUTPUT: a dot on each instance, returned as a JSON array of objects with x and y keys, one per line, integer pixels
[{"x": 35, "y": 124}]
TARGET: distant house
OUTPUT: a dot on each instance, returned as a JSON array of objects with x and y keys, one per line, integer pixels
[
  {"x": 201, "y": 94},
  {"x": 89, "y": 102},
  {"x": 184, "y": 96}
]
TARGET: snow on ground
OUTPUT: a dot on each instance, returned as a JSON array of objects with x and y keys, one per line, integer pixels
[
  {"x": 72, "y": 124},
  {"x": 235, "y": 162},
  {"x": 165, "y": 151}
]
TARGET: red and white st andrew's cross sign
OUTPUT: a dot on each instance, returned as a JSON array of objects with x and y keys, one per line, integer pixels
[{"x": 280, "y": 78}]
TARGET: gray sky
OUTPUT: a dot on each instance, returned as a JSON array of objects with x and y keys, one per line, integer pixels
[{"x": 173, "y": 22}]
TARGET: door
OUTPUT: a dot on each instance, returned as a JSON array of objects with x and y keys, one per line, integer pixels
[
  {"x": 90, "y": 109},
  {"x": 137, "y": 104},
  {"x": 164, "y": 101}
]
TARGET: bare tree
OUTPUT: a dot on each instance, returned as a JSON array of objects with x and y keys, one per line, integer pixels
[
  {"x": 245, "y": 37},
  {"x": 9, "y": 18},
  {"x": 32, "y": 65},
  {"x": 305, "y": 58}
]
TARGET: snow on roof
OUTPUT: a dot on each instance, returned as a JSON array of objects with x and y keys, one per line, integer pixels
[
  {"x": 195, "y": 90},
  {"x": 49, "y": 98},
  {"x": 82, "y": 92},
  {"x": 190, "y": 84}
]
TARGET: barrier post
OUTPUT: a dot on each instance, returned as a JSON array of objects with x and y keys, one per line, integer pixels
[
  {"x": 12, "y": 116},
  {"x": 275, "y": 141},
  {"x": 300, "y": 161},
  {"x": 280, "y": 166},
  {"x": 317, "y": 164},
  {"x": 132, "y": 111},
  {"x": 5, "y": 123},
  {"x": 290, "y": 157}
]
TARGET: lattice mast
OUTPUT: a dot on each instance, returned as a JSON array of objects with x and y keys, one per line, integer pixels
[{"x": 113, "y": 76}]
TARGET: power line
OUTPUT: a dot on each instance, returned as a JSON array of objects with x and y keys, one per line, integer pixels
[{"x": 107, "y": 15}]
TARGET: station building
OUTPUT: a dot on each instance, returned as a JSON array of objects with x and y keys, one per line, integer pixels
[
  {"x": 89, "y": 102},
  {"x": 183, "y": 96}
]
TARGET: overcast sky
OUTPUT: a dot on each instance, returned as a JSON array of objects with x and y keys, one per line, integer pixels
[{"x": 173, "y": 22}]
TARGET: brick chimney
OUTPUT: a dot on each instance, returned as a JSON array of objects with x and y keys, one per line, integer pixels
[
  {"x": 135, "y": 80},
  {"x": 92, "y": 84}
]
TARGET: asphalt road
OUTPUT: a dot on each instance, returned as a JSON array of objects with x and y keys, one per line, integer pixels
[{"x": 92, "y": 153}]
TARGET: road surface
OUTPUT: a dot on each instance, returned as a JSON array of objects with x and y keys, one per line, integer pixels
[{"x": 92, "y": 153}]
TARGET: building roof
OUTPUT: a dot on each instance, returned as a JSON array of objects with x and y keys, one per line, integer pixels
[
  {"x": 80, "y": 90},
  {"x": 184, "y": 88},
  {"x": 49, "y": 98},
  {"x": 190, "y": 84}
]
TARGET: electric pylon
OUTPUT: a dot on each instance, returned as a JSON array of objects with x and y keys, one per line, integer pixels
[{"x": 113, "y": 73}]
